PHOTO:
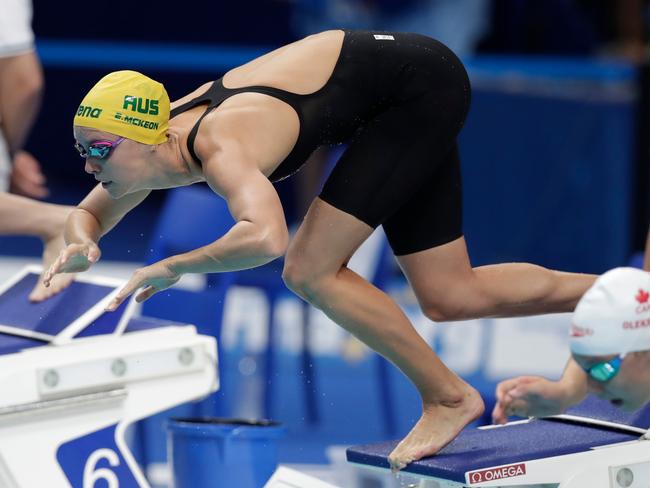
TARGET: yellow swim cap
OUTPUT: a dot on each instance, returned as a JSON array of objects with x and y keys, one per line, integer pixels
[{"x": 128, "y": 104}]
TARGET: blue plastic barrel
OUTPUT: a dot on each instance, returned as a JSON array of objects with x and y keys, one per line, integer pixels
[{"x": 222, "y": 453}]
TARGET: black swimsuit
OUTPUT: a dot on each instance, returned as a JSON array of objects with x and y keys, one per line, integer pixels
[{"x": 399, "y": 101}]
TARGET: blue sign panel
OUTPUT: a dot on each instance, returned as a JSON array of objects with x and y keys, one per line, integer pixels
[{"x": 95, "y": 461}]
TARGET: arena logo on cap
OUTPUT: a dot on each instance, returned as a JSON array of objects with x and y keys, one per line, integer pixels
[
  {"x": 88, "y": 111},
  {"x": 642, "y": 297},
  {"x": 497, "y": 473}
]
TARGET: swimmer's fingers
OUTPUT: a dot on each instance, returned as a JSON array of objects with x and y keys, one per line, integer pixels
[
  {"x": 533, "y": 397},
  {"x": 73, "y": 259},
  {"x": 145, "y": 294},
  {"x": 505, "y": 386},
  {"x": 513, "y": 398},
  {"x": 51, "y": 271},
  {"x": 92, "y": 252},
  {"x": 156, "y": 277},
  {"x": 510, "y": 404},
  {"x": 136, "y": 281},
  {"x": 499, "y": 416},
  {"x": 56, "y": 267},
  {"x": 517, "y": 405}
]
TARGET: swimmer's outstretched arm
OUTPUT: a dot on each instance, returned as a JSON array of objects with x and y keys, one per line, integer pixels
[
  {"x": 95, "y": 216},
  {"x": 258, "y": 236},
  {"x": 260, "y": 232},
  {"x": 534, "y": 396}
]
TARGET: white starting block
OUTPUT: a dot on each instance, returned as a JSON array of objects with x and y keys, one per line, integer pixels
[
  {"x": 289, "y": 478},
  {"x": 73, "y": 378},
  {"x": 594, "y": 446}
]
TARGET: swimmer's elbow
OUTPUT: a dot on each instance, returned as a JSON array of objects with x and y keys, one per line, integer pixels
[{"x": 274, "y": 242}]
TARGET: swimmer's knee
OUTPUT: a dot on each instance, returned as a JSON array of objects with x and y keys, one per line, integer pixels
[
  {"x": 301, "y": 279},
  {"x": 439, "y": 311},
  {"x": 294, "y": 276}
]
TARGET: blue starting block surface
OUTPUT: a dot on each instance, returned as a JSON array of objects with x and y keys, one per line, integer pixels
[
  {"x": 597, "y": 409},
  {"x": 78, "y": 311},
  {"x": 475, "y": 449},
  {"x": 10, "y": 344}
]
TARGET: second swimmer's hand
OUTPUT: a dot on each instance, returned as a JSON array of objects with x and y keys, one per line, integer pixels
[
  {"x": 74, "y": 258},
  {"x": 151, "y": 279},
  {"x": 529, "y": 396}
]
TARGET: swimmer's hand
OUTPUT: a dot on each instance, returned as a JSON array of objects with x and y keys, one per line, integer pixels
[
  {"x": 74, "y": 258},
  {"x": 151, "y": 279},
  {"x": 529, "y": 396},
  {"x": 52, "y": 247},
  {"x": 27, "y": 178}
]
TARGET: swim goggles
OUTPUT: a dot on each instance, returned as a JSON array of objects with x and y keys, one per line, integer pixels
[
  {"x": 97, "y": 149},
  {"x": 606, "y": 370}
]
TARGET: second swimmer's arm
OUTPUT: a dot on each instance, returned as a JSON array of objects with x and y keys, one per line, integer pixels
[
  {"x": 573, "y": 383},
  {"x": 574, "y": 379},
  {"x": 260, "y": 233}
]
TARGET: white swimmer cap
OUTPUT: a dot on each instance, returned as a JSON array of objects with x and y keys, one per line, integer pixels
[{"x": 613, "y": 316}]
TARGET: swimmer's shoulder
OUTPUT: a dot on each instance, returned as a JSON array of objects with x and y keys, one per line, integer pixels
[{"x": 260, "y": 127}]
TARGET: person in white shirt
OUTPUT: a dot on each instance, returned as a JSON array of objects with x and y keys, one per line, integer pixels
[{"x": 21, "y": 85}]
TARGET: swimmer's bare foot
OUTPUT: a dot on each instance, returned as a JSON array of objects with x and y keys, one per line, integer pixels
[
  {"x": 439, "y": 425},
  {"x": 53, "y": 244}
]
